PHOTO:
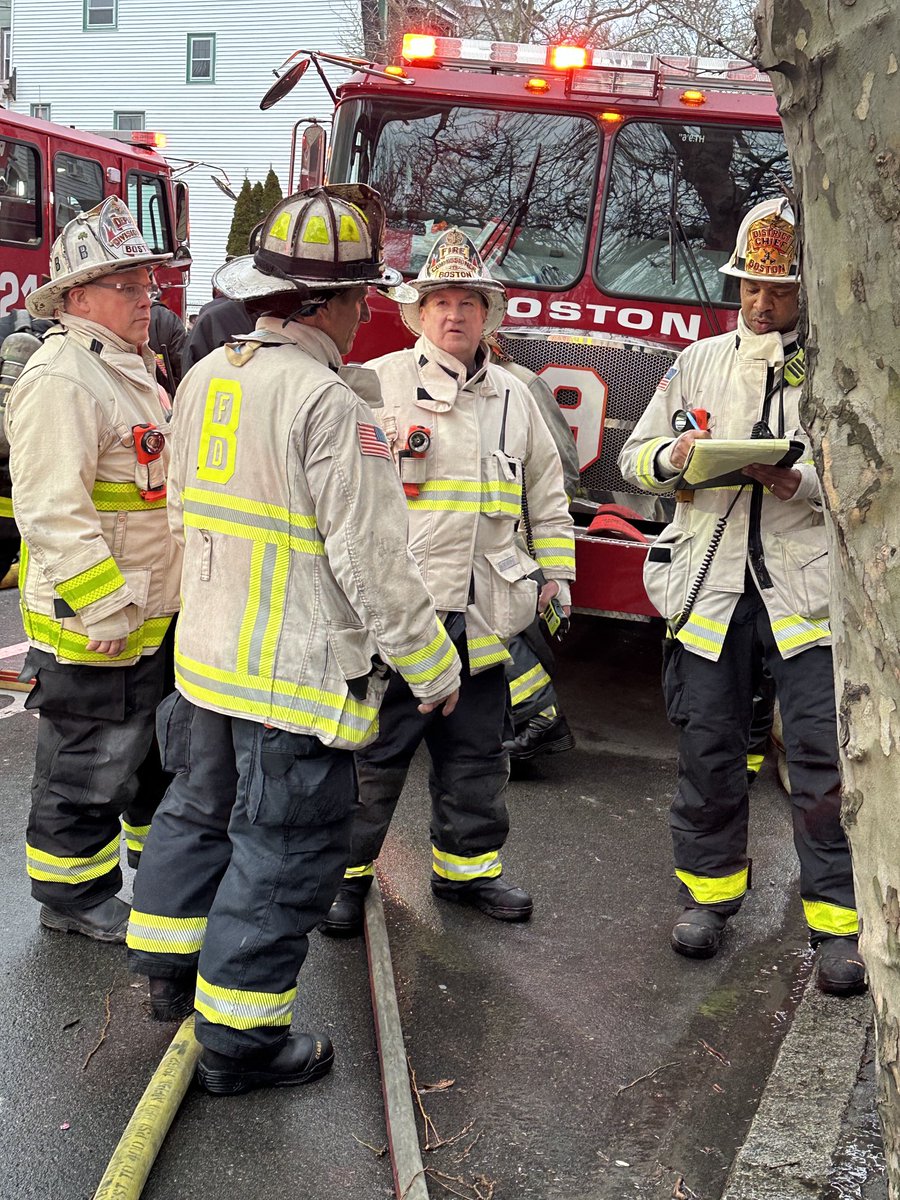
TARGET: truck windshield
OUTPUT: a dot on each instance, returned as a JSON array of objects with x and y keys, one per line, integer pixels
[
  {"x": 721, "y": 171},
  {"x": 520, "y": 184}
]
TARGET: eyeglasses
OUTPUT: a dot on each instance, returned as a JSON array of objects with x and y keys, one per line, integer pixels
[{"x": 131, "y": 291}]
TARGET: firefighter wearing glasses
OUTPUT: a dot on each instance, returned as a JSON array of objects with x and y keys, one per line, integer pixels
[
  {"x": 475, "y": 458},
  {"x": 298, "y": 593},
  {"x": 738, "y": 569},
  {"x": 99, "y": 573}
]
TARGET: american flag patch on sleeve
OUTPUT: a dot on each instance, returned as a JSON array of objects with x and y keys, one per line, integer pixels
[{"x": 373, "y": 441}]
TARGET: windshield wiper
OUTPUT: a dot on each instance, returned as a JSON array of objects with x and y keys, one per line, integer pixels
[
  {"x": 511, "y": 218},
  {"x": 679, "y": 243}
]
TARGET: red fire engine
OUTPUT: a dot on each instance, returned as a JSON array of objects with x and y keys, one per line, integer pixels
[
  {"x": 605, "y": 189},
  {"x": 51, "y": 173}
]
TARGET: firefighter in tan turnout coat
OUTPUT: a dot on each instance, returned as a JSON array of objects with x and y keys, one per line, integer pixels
[
  {"x": 743, "y": 571},
  {"x": 298, "y": 593},
  {"x": 99, "y": 573},
  {"x": 475, "y": 459}
]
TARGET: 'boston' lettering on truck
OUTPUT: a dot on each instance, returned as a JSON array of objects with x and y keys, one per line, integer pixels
[{"x": 605, "y": 195}]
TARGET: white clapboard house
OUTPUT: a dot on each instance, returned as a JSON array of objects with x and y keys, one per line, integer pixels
[{"x": 194, "y": 70}]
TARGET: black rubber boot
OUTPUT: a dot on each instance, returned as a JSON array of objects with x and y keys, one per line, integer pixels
[
  {"x": 303, "y": 1058},
  {"x": 501, "y": 900},
  {"x": 841, "y": 970},
  {"x": 104, "y": 922},
  {"x": 346, "y": 916},
  {"x": 698, "y": 932},
  {"x": 172, "y": 999},
  {"x": 542, "y": 735}
]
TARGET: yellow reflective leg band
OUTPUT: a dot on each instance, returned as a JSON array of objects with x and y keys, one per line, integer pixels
[
  {"x": 240, "y": 1009},
  {"x": 165, "y": 935},
  {"x": 832, "y": 919},
  {"x": 755, "y": 762},
  {"x": 53, "y": 868},
  {"x": 461, "y": 868},
  {"x": 360, "y": 872},
  {"x": 706, "y": 889},
  {"x": 135, "y": 836}
]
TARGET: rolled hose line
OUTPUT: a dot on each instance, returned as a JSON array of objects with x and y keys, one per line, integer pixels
[
  {"x": 139, "y": 1145},
  {"x": 134, "y": 1156}
]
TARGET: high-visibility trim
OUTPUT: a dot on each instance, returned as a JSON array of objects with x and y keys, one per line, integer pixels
[
  {"x": 755, "y": 762},
  {"x": 86, "y": 587},
  {"x": 459, "y": 867},
  {"x": 71, "y": 645},
  {"x": 239, "y": 1009},
  {"x": 468, "y": 495},
  {"x": 121, "y": 497},
  {"x": 261, "y": 623},
  {"x": 644, "y": 466},
  {"x": 833, "y": 919},
  {"x": 6, "y": 507},
  {"x": 555, "y": 552},
  {"x": 257, "y": 695},
  {"x": 704, "y": 633},
  {"x": 241, "y": 517},
  {"x": 525, "y": 685},
  {"x": 706, "y": 889},
  {"x": 165, "y": 935},
  {"x": 427, "y": 664},
  {"x": 360, "y": 872},
  {"x": 486, "y": 651},
  {"x": 793, "y": 631},
  {"x": 55, "y": 868},
  {"x": 135, "y": 836}
]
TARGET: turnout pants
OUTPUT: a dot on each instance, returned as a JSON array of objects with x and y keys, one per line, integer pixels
[
  {"x": 531, "y": 688},
  {"x": 467, "y": 781},
  {"x": 97, "y": 771},
  {"x": 711, "y": 704},
  {"x": 245, "y": 856}
]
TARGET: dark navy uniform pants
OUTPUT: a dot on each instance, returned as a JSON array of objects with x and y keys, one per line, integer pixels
[{"x": 244, "y": 857}]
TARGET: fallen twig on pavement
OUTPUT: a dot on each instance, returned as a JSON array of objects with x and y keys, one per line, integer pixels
[
  {"x": 103, "y": 1032},
  {"x": 715, "y": 1053},
  {"x": 368, "y": 1145},
  {"x": 649, "y": 1075}
]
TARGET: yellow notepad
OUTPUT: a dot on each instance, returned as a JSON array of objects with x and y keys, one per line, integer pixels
[{"x": 719, "y": 462}]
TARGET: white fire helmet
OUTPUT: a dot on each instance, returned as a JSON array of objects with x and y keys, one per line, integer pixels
[
  {"x": 454, "y": 262},
  {"x": 99, "y": 242},
  {"x": 766, "y": 246},
  {"x": 318, "y": 240}
]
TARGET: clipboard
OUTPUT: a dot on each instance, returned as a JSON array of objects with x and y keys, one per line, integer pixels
[{"x": 719, "y": 462}]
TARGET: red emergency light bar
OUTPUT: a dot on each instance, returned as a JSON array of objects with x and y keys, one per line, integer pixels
[{"x": 588, "y": 72}]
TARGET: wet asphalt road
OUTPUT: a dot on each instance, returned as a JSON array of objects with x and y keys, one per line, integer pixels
[{"x": 579, "y": 1057}]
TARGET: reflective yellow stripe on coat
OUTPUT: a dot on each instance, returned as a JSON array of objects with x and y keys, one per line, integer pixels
[{"x": 468, "y": 495}]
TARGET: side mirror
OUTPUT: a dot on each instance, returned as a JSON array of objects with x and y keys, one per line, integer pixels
[
  {"x": 312, "y": 155},
  {"x": 182, "y": 213}
]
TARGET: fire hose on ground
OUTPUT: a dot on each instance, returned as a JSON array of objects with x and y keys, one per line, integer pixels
[{"x": 139, "y": 1145}]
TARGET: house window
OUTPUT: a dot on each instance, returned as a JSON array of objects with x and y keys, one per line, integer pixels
[
  {"x": 41, "y": 110},
  {"x": 5, "y": 54},
  {"x": 201, "y": 58},
  {"x": 129, "y": 120},
  {"x": 100, "y": 14}
]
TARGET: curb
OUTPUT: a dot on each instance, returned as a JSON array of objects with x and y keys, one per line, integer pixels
[{"x": 789, "y": 1150}]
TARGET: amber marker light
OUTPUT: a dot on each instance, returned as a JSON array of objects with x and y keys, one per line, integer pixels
[
  {"x": 536, "y": 84},
  {"x": 611, "y": 118},
  {"x": 692, "y": 98},
  {"x": 395, "y": 70},
  {"x": 418, "y": 45},
  {"x": 568, "y": 58}
]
